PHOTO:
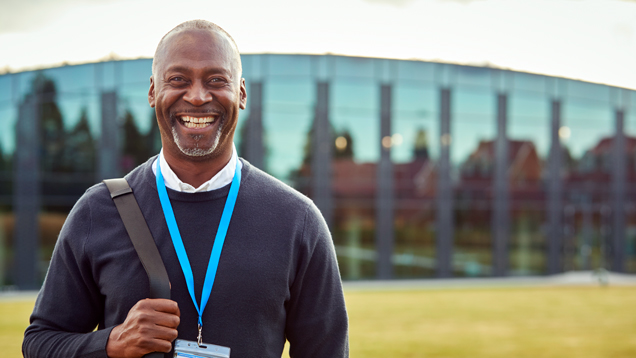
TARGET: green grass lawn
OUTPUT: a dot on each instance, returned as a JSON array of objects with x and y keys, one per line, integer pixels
[{"x": 496, "y": 322}]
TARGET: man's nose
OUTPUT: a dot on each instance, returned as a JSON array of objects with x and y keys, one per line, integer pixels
[{"x": 197, "y": 94}]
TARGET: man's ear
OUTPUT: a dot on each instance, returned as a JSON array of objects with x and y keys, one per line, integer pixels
[
  {"x": 243, "y": 94},
  {"x": 151, "y": 93}
]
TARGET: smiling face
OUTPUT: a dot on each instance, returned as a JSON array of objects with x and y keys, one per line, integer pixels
[{"x": 197, "y": 92}]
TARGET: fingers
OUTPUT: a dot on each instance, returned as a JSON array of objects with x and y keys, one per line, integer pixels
[
  {"x": 157, "y": 311},
  {"x": 150, "y": 326},
  {"x": 160, "y": 305}
]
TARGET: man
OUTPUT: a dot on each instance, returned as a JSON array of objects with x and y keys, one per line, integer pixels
[{"x": 277, "y": 276}]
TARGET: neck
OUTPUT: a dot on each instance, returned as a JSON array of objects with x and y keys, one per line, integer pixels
[{"x": 197, "y": 172}]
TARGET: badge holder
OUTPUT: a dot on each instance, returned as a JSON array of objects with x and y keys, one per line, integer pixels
[{"x": 189, "y": 349}]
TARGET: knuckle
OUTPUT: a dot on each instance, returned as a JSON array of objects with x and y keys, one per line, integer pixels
[
  {"x": 164, "y": 346},
  {"x": 143, "y": 317},
  {"x": 173, "y": 334}
]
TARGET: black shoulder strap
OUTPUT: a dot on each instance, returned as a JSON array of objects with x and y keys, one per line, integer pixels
[
  {"x": 140, "y": 236},
  {"x": 142, "y": 240}
]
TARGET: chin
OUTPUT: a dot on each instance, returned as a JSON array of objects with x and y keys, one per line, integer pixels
[{"x": 196, "y": 151}]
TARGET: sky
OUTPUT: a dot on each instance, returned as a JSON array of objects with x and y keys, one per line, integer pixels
[{"x": 591, "y": 40}]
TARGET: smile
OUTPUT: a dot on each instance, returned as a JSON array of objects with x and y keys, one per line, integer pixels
[{"x": 196, "y": 122}]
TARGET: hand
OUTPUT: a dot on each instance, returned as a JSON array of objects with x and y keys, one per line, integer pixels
[{"x": 150, "y": 326}]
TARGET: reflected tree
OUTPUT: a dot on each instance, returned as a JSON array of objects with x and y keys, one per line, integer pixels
[
  {"x": 52, "y": 136},
  {"x": 420, "y": 147},
  {"x": 3, "y": 161},
  {"x": 153, "y": 138},
  {"x": 79, "y": 152},
  {"x": 137, "y": 148}
]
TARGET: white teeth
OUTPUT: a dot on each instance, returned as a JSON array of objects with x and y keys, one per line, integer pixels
[
  {"x": 196, "y": 125},
  {"x": 197, "y": 120}
]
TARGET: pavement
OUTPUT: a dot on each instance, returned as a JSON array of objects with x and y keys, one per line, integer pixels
[{"x": 572, "y": 278}]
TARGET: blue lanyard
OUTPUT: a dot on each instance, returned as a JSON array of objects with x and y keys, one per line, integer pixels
[{"x": 213, "y": 264}]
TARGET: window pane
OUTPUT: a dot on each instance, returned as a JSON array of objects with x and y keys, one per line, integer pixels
[
  {"x": 525, "y": 82},
  {"x": 5, "y": 89},
  {"x": 287, "y": 118},
  {"x": 472, "y": 77},
  {"x": 139, "y": 132},
  {"x": 578, "y": 90},
  {"x": 354, "y": 115},
  {"x": 529, "y": 145},
  {"x": 136, "y": 72},
  {"x": 630, "y": 199},
  {"x": 106, "y": 75},
  {"x": 415, "y": 127},
  {"x": 473, "y": 131},
  {"x": 352, "y": 67},
  {"x": 72, "y": 79},
  {"x": 288, "y": 65},
  {"x": 587, "y": 135},
  {"x": 415, "y": 71},
  {"x": 8, "y": 118},
  {"x": 240, "y": 131}
]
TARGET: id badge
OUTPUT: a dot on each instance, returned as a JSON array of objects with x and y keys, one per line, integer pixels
[{"x": 190, "y": 349}]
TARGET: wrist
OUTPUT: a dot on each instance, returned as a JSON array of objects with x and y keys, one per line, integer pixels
[{"x": 113, "y": 346}]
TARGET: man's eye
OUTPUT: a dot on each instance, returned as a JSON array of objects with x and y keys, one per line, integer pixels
[
  {"x": 217, "y": 80},
  {"x": 177, "y": 79}
]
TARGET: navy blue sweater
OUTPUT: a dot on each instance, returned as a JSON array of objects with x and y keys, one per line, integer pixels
[{"x": 277, "y": 277}]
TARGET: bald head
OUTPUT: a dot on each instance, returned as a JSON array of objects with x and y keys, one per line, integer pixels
[{"x": 197, "y": 25}]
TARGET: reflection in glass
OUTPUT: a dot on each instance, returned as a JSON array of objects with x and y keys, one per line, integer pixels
[
  {"x": 473, "y": 133},
  {"x": 240, "y": 133},
  {"x": 588, "y": 145},
  {"x": 414, "y": 152},
  {"x": 289, "y": 65},
  {"x": 136, "y": 72},
  {"x": 7, "y": 120},
  {"x": 354, "y": 67},
  {"x": 66, "y": 154},
  {"x": 138, "y": 145},
  {"x": 140, "y": 138},
  {"x": 72, "y": 79},
  {"x": 287, "y": 121},
  {"x": 5, "y": 90},
  {"x": 354, "y": 116},
  {"x": 630, "y": 199},
  {"x": 529, "y": 133}
]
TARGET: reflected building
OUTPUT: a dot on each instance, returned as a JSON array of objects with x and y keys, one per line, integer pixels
[{"x": 421, "y": 169}]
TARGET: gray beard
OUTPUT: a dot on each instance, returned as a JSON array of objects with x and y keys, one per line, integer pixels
[{"x": 197, "y": 152}]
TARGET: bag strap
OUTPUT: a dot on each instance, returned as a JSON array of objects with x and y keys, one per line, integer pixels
[
  {"x": 142, "y": 240},
  {"x": 140, "y": 235}
]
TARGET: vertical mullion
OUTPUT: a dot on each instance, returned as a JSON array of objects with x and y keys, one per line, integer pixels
[
  {"x": 619, "y": 186},
  {"x": 27, "y": 195},
  {"x": 255, "y": 148},
  {"x": 501, "y": 217},
  {"x": 444, "y": 236},
  {"x": 321, "y": 155},
  {"x": 384, "y": 190},
  {"x": 108, "y": 148},
  {"x": 555, "y": 194}
]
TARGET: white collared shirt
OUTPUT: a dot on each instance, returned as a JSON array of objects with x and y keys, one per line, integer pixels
[{"x": 221, "y": 179}]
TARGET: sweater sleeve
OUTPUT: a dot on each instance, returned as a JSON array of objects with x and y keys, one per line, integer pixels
[
  {"x": 69, "y": 305},
  {"x": 317, "y": 323}
]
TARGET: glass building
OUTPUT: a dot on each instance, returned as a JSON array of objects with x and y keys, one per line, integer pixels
[{"x": 421, "y": 169}]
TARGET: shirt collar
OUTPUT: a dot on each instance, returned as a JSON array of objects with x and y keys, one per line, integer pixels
[{"x": 221, "y": 179}]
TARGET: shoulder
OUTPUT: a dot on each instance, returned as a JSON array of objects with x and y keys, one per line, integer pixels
[
  {"x": 263, "y": 187},
  {"x": 95, "y": 205}
]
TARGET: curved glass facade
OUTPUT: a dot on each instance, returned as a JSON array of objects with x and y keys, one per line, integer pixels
[{"x": 421, "y": 169}]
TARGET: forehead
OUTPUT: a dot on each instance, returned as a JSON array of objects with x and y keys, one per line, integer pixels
[{"x": 196, "y": 48}]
